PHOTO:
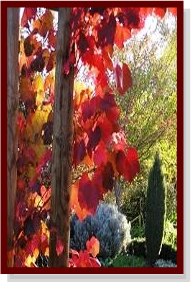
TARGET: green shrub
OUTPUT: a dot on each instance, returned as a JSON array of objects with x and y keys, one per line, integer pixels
[
  {"x": 170, "y": 234},
  {"x": 128, "y": 261},
  {"x": 155, "y": 212}
]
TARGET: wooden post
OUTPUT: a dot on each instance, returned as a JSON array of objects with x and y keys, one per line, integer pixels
[
  {"x": 62, "y": 145},
  {"x": 12, "y": 112}
]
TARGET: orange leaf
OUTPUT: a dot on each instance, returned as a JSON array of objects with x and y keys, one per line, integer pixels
[
  {"x": 160, "y": 12},
  {"x": 44, "y": 24},
  {"x": 173, "y": 11},
  {"x": 25, "y": 88},
  {"x": 121, "y": 35},
  {"x": 93, "y": 246}
]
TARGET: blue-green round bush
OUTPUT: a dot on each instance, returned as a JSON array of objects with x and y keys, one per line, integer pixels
[{"x": 108, "y": 225}]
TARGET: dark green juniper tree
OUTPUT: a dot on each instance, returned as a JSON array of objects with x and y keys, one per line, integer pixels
[{"x": 155, "y": 211}]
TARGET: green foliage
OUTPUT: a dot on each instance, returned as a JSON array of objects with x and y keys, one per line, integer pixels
[
  {"x": 155, "y": 211},
  {"x": 133, "y": 200},
  {"x": 148, "y": 116},
  {"x": 170, "y": 234},
  {"x": 128, "y": 261}
]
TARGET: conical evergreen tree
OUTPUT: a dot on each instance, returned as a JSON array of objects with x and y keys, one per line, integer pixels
[{"x": 155, "y": 211}]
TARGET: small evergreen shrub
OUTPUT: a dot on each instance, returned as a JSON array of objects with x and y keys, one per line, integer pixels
[{"x": 108, "y": 225}]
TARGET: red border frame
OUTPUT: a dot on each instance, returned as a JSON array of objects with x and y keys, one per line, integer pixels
[{"x": 180, "y": 215}]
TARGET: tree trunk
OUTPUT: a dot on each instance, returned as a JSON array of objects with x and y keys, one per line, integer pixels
[
  {"x": 12, "y": 112},
  {"x": 117, "y": 195},
  {"x": 62, "y": 145}
]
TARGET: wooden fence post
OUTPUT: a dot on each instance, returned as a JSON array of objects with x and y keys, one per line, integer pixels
[
  {"x": 12, "y": 113},
  {"x": 62, "y": 145}
]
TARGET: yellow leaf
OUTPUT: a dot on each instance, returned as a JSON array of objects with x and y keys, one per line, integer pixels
[
  {"x": 40, "y": 98},
  {"x": 44, "y": 229},
  {"x": 34, "y": 125},
  {"x": 38, "y": 201},
  {"x": 30, "y": 261},
  {"x": 38, "y": 83}
]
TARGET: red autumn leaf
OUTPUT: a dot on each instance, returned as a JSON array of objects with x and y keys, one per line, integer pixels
[
  {"x": 83, "y": 43},
  {"x": 97, "y": 181},
  {"x": 113, "y": 114},
  {"x": 87, "y": 110},
  {"x": 44, "y": 243},
  {"x": 123, "y": 78},
  {"x": 102, "y": 79},
  {"x": 93, "y": 246},
  {"x": 93, "y": 60},
  {"x": 133, "y": 162},
  {"x": 108, "y": 177},
  {"x": 119, "y": 142},
  {"x": 89, "y": 107},
  {"x": 52, "y": 38},
  {"x": 100, "y": 154},
  {"x": 107, "y": 102},
  {"x": 51, "y": 62},
  {"x": 95, "y": 103},
  {"x": 127, "y": 78},
  {"x": 106, "y": 127},
  {"x": 145, "y": 12},
  {"x": 128, "y": 165},
  {"x": 43, "y": 160},
  {"x": 59, "y": 246},
  {"x": 107, "y": 59},
  {"x": 33, "y": 244},
  {"x": 74, "y": 202},
  {"x": 121, "y": 35},
  {"x": 120, "y": 162},
  {"x": 21, "y": 122},
  {"x": 88, "y": 194},
  {"x": 28, "y": 15},
  {"x": 106, "y": 31},
  {"x": 83, "y": 259},
  {"x": 45, "y": 195},
  {"x": 160, "y": 12},
  {"x": 173, "y": 11},
  {"x": 94, "y": 139},
  {"x": 131, "y": 17},
  {"x": 29, "y": 154},
  {"x": 21, "y": 184},
  {"x": 79, "y": 152}
]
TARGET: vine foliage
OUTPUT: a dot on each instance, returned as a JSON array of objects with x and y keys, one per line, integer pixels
[{"x": 99, "y": 145}]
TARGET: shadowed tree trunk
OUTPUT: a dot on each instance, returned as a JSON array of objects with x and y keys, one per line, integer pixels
[
  {"x": 62, "y": 145},
  {"x": 12, "y": 112}
]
